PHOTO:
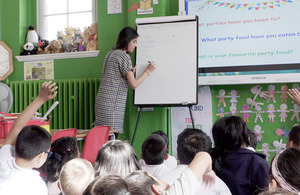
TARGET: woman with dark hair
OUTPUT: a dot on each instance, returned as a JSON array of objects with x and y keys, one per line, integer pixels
[
  {"x": 117, "y": 74},
  {"x": 244, "y": 171},
  {"x": 63, "y": 150},
  {"x": 285, "y": 171}
]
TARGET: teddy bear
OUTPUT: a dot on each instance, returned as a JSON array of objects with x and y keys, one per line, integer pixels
[
  {"x": 93, "y": 43},
  {"x": 60, "y": 35},
  {"x": 55, "y": 46},
  {"x": 28, "y": 49}
]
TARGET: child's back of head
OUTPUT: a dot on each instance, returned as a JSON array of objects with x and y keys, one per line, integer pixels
[
  {"x": 154, "y": 150},
  {"x": 285, "y": 170},
  {"x": 75, "y": 176},
  {"x": 63, "y": 150},
  {"x": 116, "y": 157},
  {"x": 190, "y": 142},
  {"x": 139, "y": 182},
  {"x": 107, "y": 185},
  {"x": 230, "y": 134},
  {"x": 164, "y": 135},
  {"x": 294, "y": 138},
  {"x": 32, "y": 141}
]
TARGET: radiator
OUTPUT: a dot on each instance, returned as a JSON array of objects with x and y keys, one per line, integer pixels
[{"x": 76, "y": 101}]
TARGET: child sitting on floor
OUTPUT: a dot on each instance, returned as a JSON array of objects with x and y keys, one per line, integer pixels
[
  {"x": 75, "y": 176},
  {"x": 24, "y": 149},
  {"x": 170, "y": 160},
  {"x": 154, "y": 152},
  {"x": 294, "y": 138},
  {"x": 285, "y": 171},
  {"x": 139, "y": 182},
  {"x": 189, "y": 143},
  {"x": 63, "y": 149}
]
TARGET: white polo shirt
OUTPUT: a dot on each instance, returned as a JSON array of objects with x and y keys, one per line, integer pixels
[{"x": 15, "y": 180}]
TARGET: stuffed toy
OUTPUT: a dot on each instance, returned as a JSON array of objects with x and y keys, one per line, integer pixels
[
  {"x": 28, "y": 49},
  {"x": 42, "y": 45},
  {"x": 86, "y": 36},
  {"x": 77, "y": 36},
  {"x": 68, "y": 38},
  {"x": 32, "y": 36},
  {"x": 60, "y": 35},
  {"x": 93, "y": 43},
  {"x": 54, "y": 47},
  {"x": 69, "y": 47}
]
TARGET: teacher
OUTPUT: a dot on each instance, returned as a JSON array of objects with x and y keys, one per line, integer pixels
[{"x": 117, "y": 74}]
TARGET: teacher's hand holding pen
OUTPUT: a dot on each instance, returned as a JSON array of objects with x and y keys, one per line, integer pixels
[{"x": 151, "y": 67}]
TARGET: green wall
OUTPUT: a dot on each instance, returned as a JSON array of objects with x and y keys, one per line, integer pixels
[{"x": 17, "y": 15}]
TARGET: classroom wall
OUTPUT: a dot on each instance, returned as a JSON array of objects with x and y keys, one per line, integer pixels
[{"x": 17, "y": 15}]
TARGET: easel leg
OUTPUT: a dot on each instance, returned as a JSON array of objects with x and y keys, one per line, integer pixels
[
  {"x": 136, "y": 126},
  {"x": 190, "y": 108},
  {"x": 168, "y": 115}
]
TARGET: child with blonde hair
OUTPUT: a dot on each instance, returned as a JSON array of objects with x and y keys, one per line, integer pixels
[{"x": 75, "y": 176}]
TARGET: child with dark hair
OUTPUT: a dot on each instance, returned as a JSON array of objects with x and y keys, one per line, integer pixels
[
  {"x": 244, "y": 171},
  {"x": 170, "y": 161},
  {"x": 26, "y": 148},
  {"x": 285, "y": 171},
  {"x": 189, "y": 143},
  {"x": 107, "y": 185},
  {"x": 294, "y": 138},
  {"x": 252, "y": 141},
  {"x": 63, "y": 149},
  {"x": 140, "y": 182},
  {"x": 154, "y": 152}
]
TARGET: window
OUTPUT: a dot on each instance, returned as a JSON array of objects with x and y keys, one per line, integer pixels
[{"x": 56, "y": 15}]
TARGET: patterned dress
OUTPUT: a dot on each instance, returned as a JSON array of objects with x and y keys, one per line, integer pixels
[{"x": 112, "y": 94}]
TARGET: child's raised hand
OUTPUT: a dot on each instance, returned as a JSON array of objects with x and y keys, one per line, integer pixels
[
  {"x": 295, "y": 95},
  {"x": 47, "y": 91}
]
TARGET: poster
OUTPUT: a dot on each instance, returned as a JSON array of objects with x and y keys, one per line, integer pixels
[
  {"x": 202, "y": 116},
  {"x": 40, "y": 70}
]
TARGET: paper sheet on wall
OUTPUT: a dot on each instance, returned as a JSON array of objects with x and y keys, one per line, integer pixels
[
  {"x": 40, "y": 70},
  {"x": 202, "y": 115},
  {"x": 114, "y": 6}
]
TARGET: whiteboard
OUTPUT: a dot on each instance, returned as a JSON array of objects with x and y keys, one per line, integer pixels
[{"x": 172, "y": 43}]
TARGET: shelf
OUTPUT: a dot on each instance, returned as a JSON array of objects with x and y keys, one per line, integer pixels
[{"x": 42, "y": 57}]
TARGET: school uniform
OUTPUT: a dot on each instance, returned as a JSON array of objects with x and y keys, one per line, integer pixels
[
  {"x": 186, "y": 184},
  {"x": 157, "y": 171},
  {"x": 244, "y": 171},
  {"x": 218, "y": 188},
  {"x": 15, "y": 180}
]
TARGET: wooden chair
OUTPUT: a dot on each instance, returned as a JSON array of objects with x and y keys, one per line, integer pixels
[{"x": 95, "y": 138}]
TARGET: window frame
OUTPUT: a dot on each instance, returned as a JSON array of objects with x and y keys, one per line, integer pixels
[{"x": 40, "y": 6}]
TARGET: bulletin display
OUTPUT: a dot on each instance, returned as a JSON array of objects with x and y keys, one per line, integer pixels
[{"x": 267, "y": 109}]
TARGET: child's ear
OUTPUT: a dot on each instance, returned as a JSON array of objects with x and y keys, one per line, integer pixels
[
  {"x": 289, "y": 144},
  {"x": 273, "y": 185},
  {"x": 58, "y": 185},
  {"x": 142, "y": 156},
  {"x": 167, "y": 156}
]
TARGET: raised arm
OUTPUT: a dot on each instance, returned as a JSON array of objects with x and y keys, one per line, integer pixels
[
  {"x": 295, "y": 95},
  {"x": 47, "y": 92},
  {"x": 135, "y": 82}
]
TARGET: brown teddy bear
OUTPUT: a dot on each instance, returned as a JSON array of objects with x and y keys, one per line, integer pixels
[
  {"x": 55, "y": 46},
  {"x": 93, "y": 43}
]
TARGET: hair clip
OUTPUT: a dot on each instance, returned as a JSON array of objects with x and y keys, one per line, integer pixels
[{"x": 68, "y": 149}]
